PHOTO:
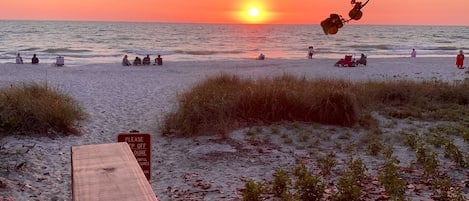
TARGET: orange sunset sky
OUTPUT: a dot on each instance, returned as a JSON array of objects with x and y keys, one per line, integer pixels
[{"x": 398, "y": 12}]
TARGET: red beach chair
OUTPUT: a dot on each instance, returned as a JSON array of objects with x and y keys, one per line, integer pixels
[{"x": 346, "y": 62}]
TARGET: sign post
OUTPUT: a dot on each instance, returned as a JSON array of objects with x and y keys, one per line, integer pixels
[{"x": 140, "y": 144}]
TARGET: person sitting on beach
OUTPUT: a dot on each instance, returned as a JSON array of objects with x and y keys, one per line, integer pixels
[
  {"x": 34, "y": 60},
  {"x": 125, "y": 61},
  {"x": 413, "y": 53},
  {"x": 261, "y": 57},
  {"x": 146, "y": 60},
  {"x": 362, "y": 60},
  {"x": 460, "y": 60},
  {"x": 159, "y": 60},
  {"x": 137, "y": 61},
  {"x": 310, "y": 52},
  {"x": 19, "y": 59}
]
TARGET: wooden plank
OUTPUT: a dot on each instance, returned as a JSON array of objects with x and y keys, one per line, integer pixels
[{"x": 108, "y": 172}]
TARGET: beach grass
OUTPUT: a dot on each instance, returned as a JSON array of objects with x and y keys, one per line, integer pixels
[
  {"x": 425, "y": 100},
  {"x": 36, "y": 108},
  {"x": 225, "y": 102}
]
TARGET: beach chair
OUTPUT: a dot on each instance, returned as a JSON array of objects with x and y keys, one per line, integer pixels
[
  {"x": 60, "y": 61},
  {"x": 346, "y": 62}
]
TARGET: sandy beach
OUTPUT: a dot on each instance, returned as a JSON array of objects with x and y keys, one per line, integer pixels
[{"x": 119, "y": 99}]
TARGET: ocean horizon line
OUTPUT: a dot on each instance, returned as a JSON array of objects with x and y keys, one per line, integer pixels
[{"x": 218, "y": 23}]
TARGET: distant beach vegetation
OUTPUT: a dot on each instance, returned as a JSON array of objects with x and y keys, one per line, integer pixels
[
  {"x": 36, "y": 108},
  {"x": 226, "y": 102}
]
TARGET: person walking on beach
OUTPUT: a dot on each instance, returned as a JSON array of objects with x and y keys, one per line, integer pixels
[
  {"x": 34, "y": 60},
  {"x": 460, "y": 60},
  {"x": 310, "y": 52},
  {"x": 413, "y": 53},
  {"x": 19, "y": 59},
  {"x": 125, "y": 61}
]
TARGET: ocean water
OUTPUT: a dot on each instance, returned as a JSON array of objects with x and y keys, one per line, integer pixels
[{"x": 107, "y": 42}]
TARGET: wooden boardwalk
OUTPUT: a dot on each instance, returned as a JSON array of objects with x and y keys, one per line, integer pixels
[{"x": 108, "y": 172}]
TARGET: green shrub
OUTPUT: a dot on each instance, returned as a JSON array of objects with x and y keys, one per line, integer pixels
[
  {"x": 390, "y": 177},
  {"x": 349, "y": 185},
  {"x": 253, "y": 191},
  {"x": 452, "y": 151},
  {"x": 38, "y": 108},
  {"x": 348, "y": 188},
  {"x": 327, "y": 162},
  {"x": 454, "y": 129},
  {"x": 428, "y": 159},
  {"x": 308, "y": 187},
  {"x": 358, "y": 169},
  {"x": 411, "y": 140},
  {"x": 305, "y": 186},
  {"x": 375, "y": 145},
  {"x": 304, "y": 136},
  {"x": 441, "y": 187},
  {"x": 437, "y": 140},
  {"x": 280, "y": 183}
]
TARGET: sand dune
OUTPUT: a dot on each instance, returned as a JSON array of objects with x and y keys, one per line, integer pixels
[{"x": 119, "y": 99}]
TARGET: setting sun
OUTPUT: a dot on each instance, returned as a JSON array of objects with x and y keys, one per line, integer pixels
[{"x": 254, "y": 12}]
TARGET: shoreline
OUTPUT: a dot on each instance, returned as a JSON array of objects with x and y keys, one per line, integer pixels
[
  {"x": 397, "y": 64},
  {"x": 119, "y": 99},
  {"x": 77, "y": 61}
]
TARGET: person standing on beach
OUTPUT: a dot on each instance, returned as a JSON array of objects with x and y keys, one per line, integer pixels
[
  {"x": 34, "y": 60},
  {"x": 19, "y": 59},
  {"x": 310, "y": 52},
  {"x": 125, "y": 61},
  {"x": 413, "y": 53},
  {"x": 460, "y": 60}
]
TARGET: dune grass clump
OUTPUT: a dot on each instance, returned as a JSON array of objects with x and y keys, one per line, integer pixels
[
  {"x": 36, "y": 108},
  {"x": 225, "y": 101},
  {"x": 423, "y": 100}
]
